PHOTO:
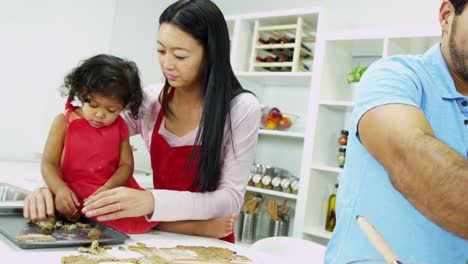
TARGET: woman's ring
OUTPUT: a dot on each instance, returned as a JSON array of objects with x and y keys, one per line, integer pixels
[{"x": 118, "y": 206}]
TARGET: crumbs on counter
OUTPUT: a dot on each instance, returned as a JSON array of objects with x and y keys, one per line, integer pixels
[
  {"x": 198, "y": 254},
  {"x": 95, "y": 248}
]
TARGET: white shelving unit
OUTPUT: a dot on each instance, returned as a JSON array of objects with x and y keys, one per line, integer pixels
[
  {"x": 321, "y": 97},
  {"x": 272, "y": 193},
  {"x": 331, "y": 105},
  {"x": 287, "y": 90}
]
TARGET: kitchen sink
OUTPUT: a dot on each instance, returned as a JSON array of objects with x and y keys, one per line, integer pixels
[{"x": 11, "y": 193}]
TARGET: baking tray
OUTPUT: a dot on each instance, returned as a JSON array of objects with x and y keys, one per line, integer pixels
[{"x": 13, "y": 224}]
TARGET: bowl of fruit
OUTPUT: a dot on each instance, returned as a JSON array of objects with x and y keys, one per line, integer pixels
[{"x": 274, "y": 119}]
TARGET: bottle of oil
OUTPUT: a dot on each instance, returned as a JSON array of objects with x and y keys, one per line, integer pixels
[{"x": 330, "y": 222}]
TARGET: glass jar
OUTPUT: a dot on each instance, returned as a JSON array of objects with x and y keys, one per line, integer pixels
[
  {"x": 286, "y": 185},
  {"x": 295, "y": 186},
  {"x": 266, "y": 182},
  {"x": 250, "y": 183},
  {"x": 343, "y": 139},
  {"x": 340, "y": 159},
  {"x": 257, "y": 180},
  {"x": 276, "y": 183}
]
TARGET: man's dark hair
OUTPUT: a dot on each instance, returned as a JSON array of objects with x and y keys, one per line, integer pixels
[{"x": 459, "y": 6}]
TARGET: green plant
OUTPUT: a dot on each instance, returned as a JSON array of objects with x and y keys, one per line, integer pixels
[{"x": 356, "y": 74}]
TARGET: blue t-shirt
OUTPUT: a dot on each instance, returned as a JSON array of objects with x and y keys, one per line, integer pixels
[{"x": 365, "y": 188}]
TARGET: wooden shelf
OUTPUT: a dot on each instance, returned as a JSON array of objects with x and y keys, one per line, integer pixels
[
  {"x": 304, "y": 52},
  {"x": 273, "y": 193},
  {"x": 279, "y": 27},
  {"x": 273, "y": 64},
  {"x": 288, "y": 134}
]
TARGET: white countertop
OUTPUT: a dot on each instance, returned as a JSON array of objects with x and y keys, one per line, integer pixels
[
  {"x": 8, "y": 250},
  {"x": 27, "y": 175}
]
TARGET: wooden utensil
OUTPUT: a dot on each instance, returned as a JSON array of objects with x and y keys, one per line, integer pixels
[
  {"x": 272, "y": 206},
  {"x": 283, "y": 211},
  {"x": 378, "y": 241}
]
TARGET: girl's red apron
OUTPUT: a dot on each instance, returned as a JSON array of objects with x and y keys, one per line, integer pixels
[
  {"x": 168, "y": 163},
  {"x": 90, "y": 157}
]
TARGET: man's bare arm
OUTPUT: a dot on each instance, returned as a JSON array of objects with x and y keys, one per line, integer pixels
[{"x": 430, "y": 174}]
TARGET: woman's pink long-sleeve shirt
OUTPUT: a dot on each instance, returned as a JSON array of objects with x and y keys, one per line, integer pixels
[{"x": 237, "y": 161}]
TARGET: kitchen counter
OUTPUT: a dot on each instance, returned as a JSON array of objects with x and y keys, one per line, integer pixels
[
  {"x": 8, "y": 250},
  {"x": 27, "y": 175}
]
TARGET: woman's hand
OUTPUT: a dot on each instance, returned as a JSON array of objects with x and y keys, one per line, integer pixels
[
  {"x": 38, "y": 204},
  {"x": 119, "y": 203},
  {"x": 66, "y": 201},
  {"x": 100, "y": 190}
]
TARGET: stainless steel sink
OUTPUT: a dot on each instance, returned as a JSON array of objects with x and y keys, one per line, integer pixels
[{"x": 11, "y": 193}]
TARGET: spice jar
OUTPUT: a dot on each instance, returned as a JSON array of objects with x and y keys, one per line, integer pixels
[
  {"x": 276, "y": 183},
  {"x": 250, "y": 183},
  {"x": 266, "y": 182},
  {"x": 286, "y": 185},
  {"x": 295, "y": 186},
  {"x": 343, "y": 139},
  {"x": 257, "y": 180},
  {"x": 340, "y": 159}
]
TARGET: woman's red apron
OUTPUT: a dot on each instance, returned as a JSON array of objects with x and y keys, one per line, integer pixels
[
  {"x": 91, "y": 155},
  {"x": 168, "y": 164}
]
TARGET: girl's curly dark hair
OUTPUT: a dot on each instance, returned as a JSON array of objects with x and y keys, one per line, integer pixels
[{"x": 107, "y": 75}]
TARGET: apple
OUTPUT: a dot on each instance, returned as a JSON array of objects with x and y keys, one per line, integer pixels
[
  {"x": 275, "y": 114},
  {"x": 285, "y": 123},
  {"x": 268, "y": 122}
]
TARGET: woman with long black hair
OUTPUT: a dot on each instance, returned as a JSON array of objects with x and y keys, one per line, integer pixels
[{"x": 200, "y": 127}]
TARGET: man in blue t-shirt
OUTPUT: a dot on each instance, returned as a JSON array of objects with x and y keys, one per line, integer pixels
[{"x": 406, "y": 168}]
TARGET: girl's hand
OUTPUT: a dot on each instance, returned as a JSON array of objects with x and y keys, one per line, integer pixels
[
  {"x": 119, "y": 203},
  {"x": 66, "y": 201},
  {"x": 39, "y": 203}
]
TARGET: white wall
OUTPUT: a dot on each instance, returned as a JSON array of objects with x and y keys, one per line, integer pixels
[
  {"x": 40, "y": 42},
  {"x": 136, "y": 22},
  {"x": 385, "y": 14}
]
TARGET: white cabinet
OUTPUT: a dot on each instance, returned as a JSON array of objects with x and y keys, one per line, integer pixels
[
  {"x": 331, "y": 106},
  {"x": 321, "y": 97},
  {"x": 285, "y": 85}
]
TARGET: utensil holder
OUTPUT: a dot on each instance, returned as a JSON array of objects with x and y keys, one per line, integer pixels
[
  {"x": 238, "y": 225},
  {"x": 249, "y": 228},
  {"x": 279, "y": 228}
]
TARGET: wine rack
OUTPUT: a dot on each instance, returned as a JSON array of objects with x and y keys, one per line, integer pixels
[{"x": 282, "y": 48}]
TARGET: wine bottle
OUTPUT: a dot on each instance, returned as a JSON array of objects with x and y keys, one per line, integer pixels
[
  {"x": 270, "y": 58},
  {"x": 284, "y": 39},
  {"x": 272, "y": 40},
  {"x": 262, "y": 40},
  {"x": 330, "y": 222},
  {"x": 260, "y": 59},
  {"x": 284, "y": 58}
]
